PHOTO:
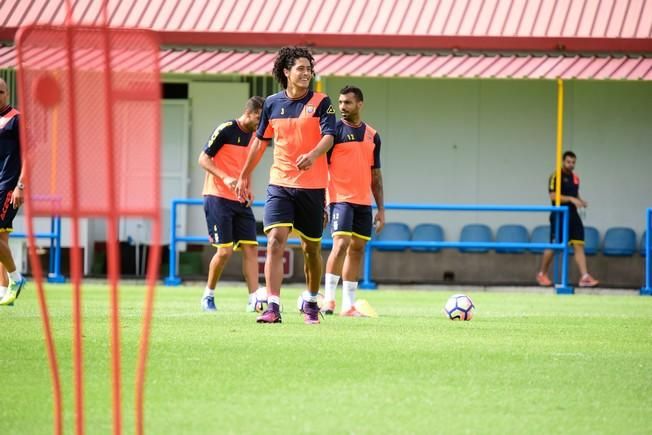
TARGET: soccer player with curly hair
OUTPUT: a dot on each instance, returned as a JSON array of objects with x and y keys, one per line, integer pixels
[{"x": 302, "y": 124}]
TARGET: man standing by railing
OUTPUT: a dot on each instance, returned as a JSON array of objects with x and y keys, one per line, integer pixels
[
  {"x": 570, "y": 196},
  {"x": 354, "y": 169}
]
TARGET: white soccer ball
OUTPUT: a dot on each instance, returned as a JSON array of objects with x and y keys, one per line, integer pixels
[
  {"x": 261, "y": 300},
  {"x": 459, "y": 307},
  {"x": 301, "y": 300}
]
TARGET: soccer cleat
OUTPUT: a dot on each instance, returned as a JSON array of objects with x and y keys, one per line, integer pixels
[
  {"x": 269, "y": 316},
  {"x": 208, "y": 303},
  {"x": 310, "y": 313},
  {"x": 543, "y": 280},
  {"x": 13, "y": 292},
  {"x": 588, "y": 281},
  {"x": 328, "y": 308},
  {"x": 351, "y": 312},
  {"x": 251, "y": 308}
]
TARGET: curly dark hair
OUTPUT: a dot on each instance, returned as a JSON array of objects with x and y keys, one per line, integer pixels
[{"x": 286, "y": 58}]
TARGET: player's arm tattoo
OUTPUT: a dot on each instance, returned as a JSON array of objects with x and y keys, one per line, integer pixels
[{"x": 377, "y": 188}]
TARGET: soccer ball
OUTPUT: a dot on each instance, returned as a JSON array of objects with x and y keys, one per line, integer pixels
[
  {"x": 300, "y": 300},
  {"x": 459, "y": 307},
  {"x": 261, "y": 300}
]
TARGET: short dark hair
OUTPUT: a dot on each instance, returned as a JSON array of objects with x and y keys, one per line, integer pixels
[
  {"x": 286, "y": 58},
  {"x": 569, "y": 154},
  {"x": 348, "y": 89},
  {"x": 254, "y": 104}
]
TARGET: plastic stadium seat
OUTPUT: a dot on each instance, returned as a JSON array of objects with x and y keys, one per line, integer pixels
[
  {"x": 512, "y": 234},
  {"x": 619, "y": 241},
  {"x": 475, "y": 233},
  {"x": 394, "y": 232},
  {"x": 540, "y": 234},
  {"x": 591, "y": 240},
  {"x": 427, "y": 233}
]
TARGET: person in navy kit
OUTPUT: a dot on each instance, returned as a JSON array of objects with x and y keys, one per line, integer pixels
[{"x": 11, "y": 195}]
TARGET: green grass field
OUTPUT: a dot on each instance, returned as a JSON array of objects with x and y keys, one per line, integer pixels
[{"x": 527, "y": 363}]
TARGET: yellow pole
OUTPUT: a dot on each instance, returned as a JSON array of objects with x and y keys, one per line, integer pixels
[
  {"x": 560, "y": 138},
  {"x": 319, "y": 86}
]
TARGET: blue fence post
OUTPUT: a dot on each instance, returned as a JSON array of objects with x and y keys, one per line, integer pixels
[
  {"x": 647, "y": 290},
  {"x": 54, "y": 275},
  {"x": 173, "y": 279},
  {"x": 367, "y": 283},
  {"x": 558, "y": 235},
  {"x": 52, "y": 249},
  {"x": 564, "y": 288}
]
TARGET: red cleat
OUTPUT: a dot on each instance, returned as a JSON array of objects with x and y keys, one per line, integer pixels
[
  {"x": 588, "y": 281},
  {"x": 543, "y": 280}
]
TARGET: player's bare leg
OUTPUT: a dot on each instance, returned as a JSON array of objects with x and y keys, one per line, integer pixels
[
  {"x": 586, "y": 280},
  {"x": 546, "y": 261},
  {"x": 313, "y": 268},
  {"x": 334, "y": 266},
  {"x": 4, "y": 280},
  {"x": 215, "y": 269},
  {"x": 250, "y": 266},
  {"x": 313, "y": 262},
  {"x": 6, "y": 258},
  {"x": 16, "y": 281},
  {"x": 250, "y": 272},
  {"x": 276, "y": 241},
  {"x": 350, "y": 272}
]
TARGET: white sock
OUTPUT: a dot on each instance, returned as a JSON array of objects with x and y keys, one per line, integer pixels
[
  {"x": 348, "y": 294},
  {"x": 309, "y": 297},
  {"x": 209, "y": 292},
  {"x": 274, "y": 300},
  {"x": 15, "y": 276},
  {"x": 3, "y": 290},
  {"x": 331, "y": 282}
]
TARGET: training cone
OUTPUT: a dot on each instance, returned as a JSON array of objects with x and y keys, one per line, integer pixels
[{"x": 365, "y": 308}]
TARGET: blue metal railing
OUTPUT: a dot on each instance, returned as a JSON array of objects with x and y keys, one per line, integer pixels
[
  {"x": 647, "y": 290},
  {"x": 562, "y": 287},
  {"x": 54, "y": 265},
  {"x": 367, "y": 283},
  {"x": 173, "y": 279}
]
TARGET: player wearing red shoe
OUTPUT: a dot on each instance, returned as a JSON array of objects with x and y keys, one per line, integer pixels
[
  {"x": 570, "y": 196},
  {"x": 354, "y": 174}
]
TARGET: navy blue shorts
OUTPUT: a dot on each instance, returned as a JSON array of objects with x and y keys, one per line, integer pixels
[
  {"x": 575, "y": 227},
  {"x": 300, "y": 209},
  {"x": 351, "y": 220},
  {"x": 230, "y": 223},
  {"x": 8, "y": 212}
]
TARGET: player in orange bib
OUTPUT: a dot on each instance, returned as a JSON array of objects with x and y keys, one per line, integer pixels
[
  {"x": 354, "y": 174},
  {"x": 231, "y": 223},
  {"x": 302, "y": 124}
]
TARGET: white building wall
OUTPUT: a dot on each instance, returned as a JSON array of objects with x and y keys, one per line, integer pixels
[
  {"x": 479, "y": 142},
  {"x": 493, "y": 142}
]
